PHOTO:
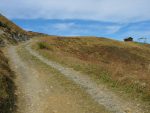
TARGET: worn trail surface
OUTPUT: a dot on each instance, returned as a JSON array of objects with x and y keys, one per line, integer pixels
[
  {"x": 40, "y": 91},
  {"x": 29, "y": 87}
]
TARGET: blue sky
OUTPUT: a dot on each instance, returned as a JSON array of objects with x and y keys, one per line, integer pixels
[{"x": 108, "y": 18}]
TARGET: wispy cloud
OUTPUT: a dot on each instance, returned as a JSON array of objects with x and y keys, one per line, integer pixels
[
  {"x": 64, "y": 26},
  {"x": 89, "y": 28},
  {"x": 113, "y": 29},
  {"x": 101, "y": 10}
]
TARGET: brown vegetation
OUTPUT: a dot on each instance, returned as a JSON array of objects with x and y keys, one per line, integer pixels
[
  {"x": 122, "y": 65},
  {"x": 9, "y": 34},
  {"x": 7, "y": 23},
  {"x": 7, "y": 86}
]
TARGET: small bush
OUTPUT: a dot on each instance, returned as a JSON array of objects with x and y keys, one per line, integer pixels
[{"x": 42, "y": 45}]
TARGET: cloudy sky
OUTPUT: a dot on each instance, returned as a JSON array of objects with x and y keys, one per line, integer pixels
[{"x": 109, "y": 18}]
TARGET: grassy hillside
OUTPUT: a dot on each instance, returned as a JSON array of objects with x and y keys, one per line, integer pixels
[
  {"x": 124, "y": 66},
  {"x": 9, "y": 34},
  {"x": 10, "y": 25},
  {"x": 7, "y": 86}
]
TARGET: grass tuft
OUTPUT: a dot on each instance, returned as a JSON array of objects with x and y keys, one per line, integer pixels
[{"x": 42, "y": 45}]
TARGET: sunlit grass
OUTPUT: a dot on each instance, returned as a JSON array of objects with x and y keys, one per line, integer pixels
[{"x": 122, "y": 66}]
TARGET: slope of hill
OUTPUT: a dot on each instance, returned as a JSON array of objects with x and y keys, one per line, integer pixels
[
  {"x": 7, "y": 86},
  {"x": 121, "y": 65},
  {"x": 10, "y": 33}
]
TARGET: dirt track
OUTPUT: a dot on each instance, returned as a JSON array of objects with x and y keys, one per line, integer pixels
[{"x": 42, "y": 90}]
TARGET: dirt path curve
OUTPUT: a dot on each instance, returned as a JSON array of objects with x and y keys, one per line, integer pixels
[
  {"x": 42, "y": 90},
  {"x": 99, "y": 93}
]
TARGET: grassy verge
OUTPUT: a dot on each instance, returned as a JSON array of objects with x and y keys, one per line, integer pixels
[
  {"x": 122, "y": 67},
  {"x": 62, "y": 84},
  {"x": 7, "y": 87}
]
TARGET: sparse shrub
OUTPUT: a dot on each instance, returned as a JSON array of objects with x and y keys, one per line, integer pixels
[{"x": 43, "y": 45}]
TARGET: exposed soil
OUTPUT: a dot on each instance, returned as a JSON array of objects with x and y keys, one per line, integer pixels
[
  {"x": 42, "y": 90},
  {"x": 45, "y": 86}
]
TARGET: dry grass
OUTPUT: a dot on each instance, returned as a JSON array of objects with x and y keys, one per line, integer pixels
[
  {"x": 7, "y": 87},
  {"x": 121, "y": 65},
  {"x": 13, "y": 28},
  {"x": 10, "y": 32},
  {"x": 10, "y": 25}
]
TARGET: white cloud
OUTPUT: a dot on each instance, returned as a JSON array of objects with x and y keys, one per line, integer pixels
[
  {"x": 64, "y": 26},
  {"x": 102, "y": 10},
  {"x": 72, "y": 26},
  {"x": 113, "y": 29}
]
